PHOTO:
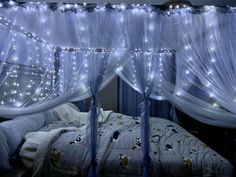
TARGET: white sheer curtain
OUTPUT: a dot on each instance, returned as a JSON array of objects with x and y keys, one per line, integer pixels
[
  {"x": 44, "y": 55},
  {"x": 205, "y": 65},
  {"x": 144, "y": 72},
  {"x": 147, "y": 67},
  {"x": 93, "y": 43}
]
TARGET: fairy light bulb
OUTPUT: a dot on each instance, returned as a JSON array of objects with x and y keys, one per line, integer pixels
[
  {"x": 11, "y": 3},
  {"x": 15, "y": 58},
  {"x": 68, "y": 6},
  {"x": 82, "y": 28},
  {"x": 215, "y": 105},
  {"x": 213, "y": 60},
  {"x": 18, "y": 104},
  {"x": 212, "y": 48},
  {"x": 186, "y": 47},
  {"x": 211, "y": 95},
  {"x": 119, "y": 69},
  {"x": 210, "y": 72}
]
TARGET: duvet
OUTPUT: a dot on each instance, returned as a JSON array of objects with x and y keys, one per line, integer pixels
[{"x": 64, "y": 150}]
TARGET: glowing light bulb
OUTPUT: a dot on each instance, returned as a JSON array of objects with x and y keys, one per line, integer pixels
[
  {"x": 212, "y": 49},
  {"x": 13, "y": 91},
  {"x": 38, "y": 90},
  {"x": 151, "y": 15},
  {"x": 211, "y": 95},
  {"x": 215, "y": 105},
  {"x": 189, "y": 59},
  {"x": 234, "y": 99},
  {"x": 11, "y": 3},
  {"x": 186, "y": 47},
  {"x": 122, "y": 7},
  {"x": 67, "y": 6},
  {"x": 210, "y": 72},
  {"x": 210, "y": 8},
  {"x": 178, "y": 93},
  {"x": 15, "y": 58},
  {"x": 210, "y": 24},
  {"x": 213, "y": 60},
  {"x": 208, "y": 84},
  {"x": 151, "y": 77},
  {"x": 18, "y": 104},
  {"x": 119, "y": 69}
]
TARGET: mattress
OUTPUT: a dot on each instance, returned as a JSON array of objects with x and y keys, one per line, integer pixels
[{"x": 174, "y": 151}]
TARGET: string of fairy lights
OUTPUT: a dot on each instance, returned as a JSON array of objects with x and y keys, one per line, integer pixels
[
  {"x": 80, "y": 7},
  {"x": 43, "y": 85}
]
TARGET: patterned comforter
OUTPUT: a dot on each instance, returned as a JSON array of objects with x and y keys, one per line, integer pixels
[{"x": 174, "y": 151}]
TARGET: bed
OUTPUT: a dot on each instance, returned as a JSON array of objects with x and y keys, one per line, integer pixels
[{"x": 60, "y": 148}]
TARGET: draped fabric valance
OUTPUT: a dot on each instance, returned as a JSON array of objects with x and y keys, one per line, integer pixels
[{"x": 49, "y": 54}]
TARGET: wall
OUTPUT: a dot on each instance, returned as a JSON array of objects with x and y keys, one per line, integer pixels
[{"x": 107, "y": 96}]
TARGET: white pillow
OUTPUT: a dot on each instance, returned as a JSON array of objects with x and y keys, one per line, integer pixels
[{"x": 67, "y": 112}]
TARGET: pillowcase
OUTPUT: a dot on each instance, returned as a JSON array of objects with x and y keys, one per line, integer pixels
[
  {"x": 67, "y": 112},
  {"x": 70, "y": 112}
]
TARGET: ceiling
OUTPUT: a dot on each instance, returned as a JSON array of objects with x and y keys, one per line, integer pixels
[{"x": 154, "y": 2}]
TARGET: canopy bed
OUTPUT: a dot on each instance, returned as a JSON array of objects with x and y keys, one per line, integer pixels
[{"x": 53, "y": 53}]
